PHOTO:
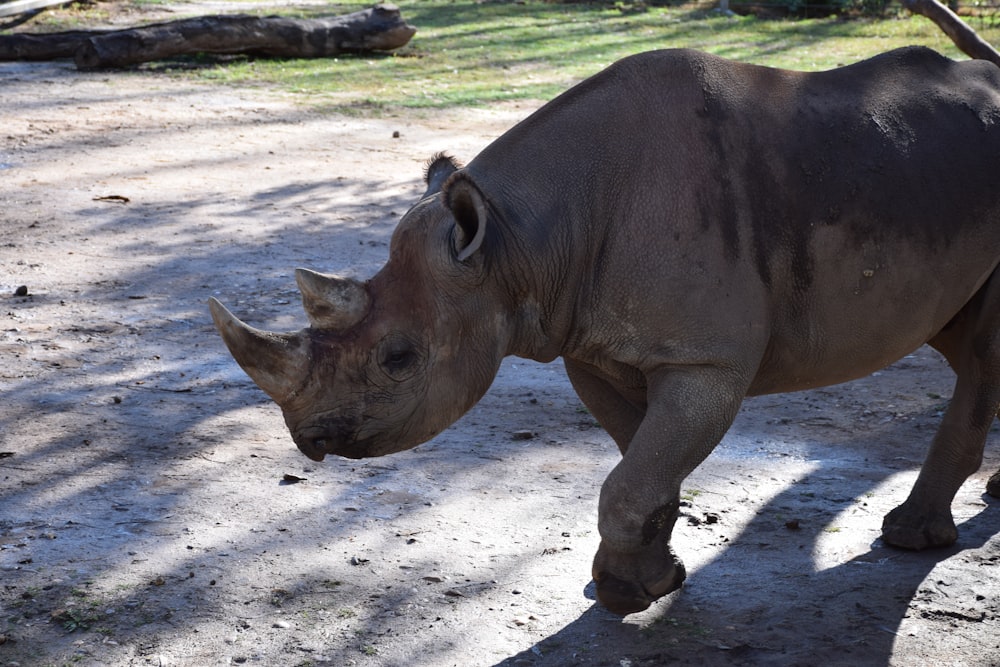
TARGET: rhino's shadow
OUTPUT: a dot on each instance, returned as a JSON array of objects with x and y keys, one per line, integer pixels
[
  {"x": 778, "y": 593},
  {"x": 747, "y": 607}
]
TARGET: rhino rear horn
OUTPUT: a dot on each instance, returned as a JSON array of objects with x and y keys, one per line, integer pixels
[
  {"x": 276, "y": 362},
  {"x": 331, "y": 302}
]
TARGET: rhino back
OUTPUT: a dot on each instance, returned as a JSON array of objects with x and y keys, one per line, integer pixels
[{"x": 817, "y": 213}]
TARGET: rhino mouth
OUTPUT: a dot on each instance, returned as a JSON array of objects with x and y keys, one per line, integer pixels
[
  {"x": 316, "y": 444},
  {"x": 350, "y": 440},
  {"x": 315, "y": 449}
]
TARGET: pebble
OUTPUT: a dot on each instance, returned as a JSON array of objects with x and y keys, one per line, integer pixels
[{"x": 282, "y": 624}]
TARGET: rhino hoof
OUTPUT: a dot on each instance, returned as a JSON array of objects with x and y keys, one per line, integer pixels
[
  {"x": 621, "y": 597},
  {"x": 916, "y": 532},
  {"x": 993, "y": 486},
  {"x": 629, "y": 597}
]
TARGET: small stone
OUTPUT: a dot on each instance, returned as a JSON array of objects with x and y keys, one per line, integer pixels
[
  {"x": 22, "y": 290},
  {"x": 395, "y": 134},
  {"x": 523, "y": 435},
  {"x": 282, "y": 624}
]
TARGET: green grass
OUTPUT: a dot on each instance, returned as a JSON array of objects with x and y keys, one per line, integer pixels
[{"x": 469, "y": 53}]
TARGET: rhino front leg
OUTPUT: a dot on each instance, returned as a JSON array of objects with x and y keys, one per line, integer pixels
[
  {"x": 689, "y": 410},
  {"x": 616, "y": 414},
  {"x": 971, "y": 344}
]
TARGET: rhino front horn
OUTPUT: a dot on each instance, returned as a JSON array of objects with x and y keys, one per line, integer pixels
[
  {"x": 277, "y": 362},
  {"x": 331, "y": 302}
]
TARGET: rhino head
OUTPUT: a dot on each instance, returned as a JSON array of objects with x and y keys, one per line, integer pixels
[{"x": 388, "y": 363}]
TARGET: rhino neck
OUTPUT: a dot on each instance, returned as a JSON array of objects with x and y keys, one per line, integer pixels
[
  {"x": 553, "y": 210},
  {"x": 533, "y": 269}
]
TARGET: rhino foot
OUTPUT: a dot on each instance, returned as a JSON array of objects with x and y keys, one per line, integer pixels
[
  {"x": 629, "y": 583},
  {"x": 905, "y": 528},
  {"x": 629, "y": 597},
  {"x": 993, "y": 486}
]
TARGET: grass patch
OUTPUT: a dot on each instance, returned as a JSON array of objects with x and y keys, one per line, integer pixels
[{"x": 469, "y": 53}]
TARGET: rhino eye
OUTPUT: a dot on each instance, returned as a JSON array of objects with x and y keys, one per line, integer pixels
[
  {"x": 397, "y": 360},
  {"x": 397, "y": 356}
]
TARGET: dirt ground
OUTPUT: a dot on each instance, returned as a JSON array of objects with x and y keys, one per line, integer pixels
[{"x": 154, "y": 511}]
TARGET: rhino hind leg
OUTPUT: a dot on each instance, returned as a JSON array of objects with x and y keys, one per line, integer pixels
[{"x": 971, "y": 344}]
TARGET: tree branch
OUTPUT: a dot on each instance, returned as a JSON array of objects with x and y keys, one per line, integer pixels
[{"x": 965, "y": 38}]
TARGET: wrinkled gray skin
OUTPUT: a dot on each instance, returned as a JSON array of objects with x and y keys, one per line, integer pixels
[{"x": 684, "y": 231}]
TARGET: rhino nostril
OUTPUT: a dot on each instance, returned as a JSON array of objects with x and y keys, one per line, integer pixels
[{"x": 320, "y": 444}]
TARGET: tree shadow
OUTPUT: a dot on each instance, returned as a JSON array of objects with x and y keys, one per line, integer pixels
[{"x": 122, "y": 410}]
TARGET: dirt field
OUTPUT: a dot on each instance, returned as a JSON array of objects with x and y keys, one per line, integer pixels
[{"x": 154, "y": 511}]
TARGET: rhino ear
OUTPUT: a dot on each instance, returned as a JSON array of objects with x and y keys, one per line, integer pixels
[
  {"x": 468, "y": 206},
  {"x": 437, "y": 171}
]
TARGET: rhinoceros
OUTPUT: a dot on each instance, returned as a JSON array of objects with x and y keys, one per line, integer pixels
[{"x": 684, "y": 231}]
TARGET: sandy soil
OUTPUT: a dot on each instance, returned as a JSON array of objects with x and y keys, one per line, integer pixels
[{"x": 153, "y": 510}]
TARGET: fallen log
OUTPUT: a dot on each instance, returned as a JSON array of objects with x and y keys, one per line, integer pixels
[
  {"x": 380, "y": 28},
  {"x": 30, "y": 46}
]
